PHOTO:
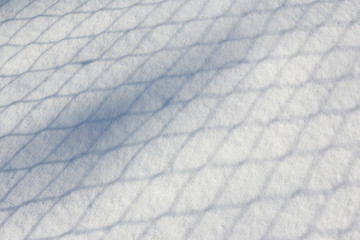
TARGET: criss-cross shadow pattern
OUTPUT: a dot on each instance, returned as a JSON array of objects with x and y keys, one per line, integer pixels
[{"x": 179, "y": 119}]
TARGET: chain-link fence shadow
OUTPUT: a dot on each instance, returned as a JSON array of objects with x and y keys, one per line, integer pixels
[{"x": 168, "y": 119}]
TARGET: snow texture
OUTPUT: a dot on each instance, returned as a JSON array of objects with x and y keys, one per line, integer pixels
[{"x": 179, "y": 119}]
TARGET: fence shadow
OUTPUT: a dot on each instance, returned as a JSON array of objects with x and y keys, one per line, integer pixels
[{"x": 179, "y": 119}]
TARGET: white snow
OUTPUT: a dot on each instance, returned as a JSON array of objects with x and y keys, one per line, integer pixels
[{"x": 179, "y": 119}]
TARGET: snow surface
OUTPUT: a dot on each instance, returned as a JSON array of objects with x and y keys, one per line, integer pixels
[{"x": 179, "y": 119}]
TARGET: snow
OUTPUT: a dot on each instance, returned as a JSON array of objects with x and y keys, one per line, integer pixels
[{"x": 179, "y": 119}]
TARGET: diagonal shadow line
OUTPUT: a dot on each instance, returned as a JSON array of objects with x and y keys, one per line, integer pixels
[
  {"x": 96, "y": 79},
  {"x": 19, "y": 75},
  {"x": 285, "y": 204},
  {"x": 17, "y": 31},
  {"x": 3, "y": 3},
  {"x": 191, "y": 135},
  {"x": 295, "y": 143},
  {"x": 76, "y": 71},
  {"x": 196, "y": 221},
  {"x": 130, "y": 77},
  {"x": 14, "y": 16},
  {"x": 54, "y": 150},
  {"x": 217, "y": 148},
  {"x": 67, "y": 36}
]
